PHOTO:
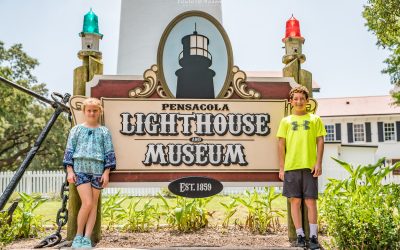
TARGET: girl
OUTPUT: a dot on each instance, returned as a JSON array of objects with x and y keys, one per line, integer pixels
[{"x": 89, "y": 158}]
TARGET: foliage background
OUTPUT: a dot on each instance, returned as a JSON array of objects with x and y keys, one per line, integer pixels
[{"x": 22, "y": 117}]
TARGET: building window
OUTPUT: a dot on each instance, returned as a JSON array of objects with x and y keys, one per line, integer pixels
[
  {"x": 389, "y": 131},
  {"x": 397, "y": 170},
  {"x": 359, "y": 132},
  {"x": 330, "y": 132}
]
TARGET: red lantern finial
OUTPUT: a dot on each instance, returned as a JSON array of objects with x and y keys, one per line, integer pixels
[{"x": 292, "y": 28}]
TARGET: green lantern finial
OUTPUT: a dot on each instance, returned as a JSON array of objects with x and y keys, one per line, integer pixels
[{"x": 91, "y": 24}]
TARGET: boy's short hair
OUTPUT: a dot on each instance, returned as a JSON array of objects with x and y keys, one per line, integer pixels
[
  {"x": 299, "y": 89},
  {"x": 92, "y": 101}
]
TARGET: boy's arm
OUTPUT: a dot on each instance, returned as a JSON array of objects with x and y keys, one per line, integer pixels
[
  {"x": 320, "y": 152},
  {"x": 282, "y": 153}
]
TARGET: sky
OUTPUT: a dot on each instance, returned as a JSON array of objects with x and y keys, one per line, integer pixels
[{"x": 341, "y": 53}]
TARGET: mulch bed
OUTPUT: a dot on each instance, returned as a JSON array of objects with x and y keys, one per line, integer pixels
[{"x": 162, "y": 238}]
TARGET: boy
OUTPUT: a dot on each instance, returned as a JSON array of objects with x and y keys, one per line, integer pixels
[{"x": 301, "y": 147}]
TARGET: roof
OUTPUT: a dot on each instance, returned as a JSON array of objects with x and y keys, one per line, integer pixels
[
  {"x": 315, "y": 85},
  {"x": 357, "y": 106}
]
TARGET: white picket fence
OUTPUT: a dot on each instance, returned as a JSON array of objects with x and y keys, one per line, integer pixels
[{"x": 50, "y": 182}]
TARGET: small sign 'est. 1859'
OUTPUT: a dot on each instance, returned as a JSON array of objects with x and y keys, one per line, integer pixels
[{"x": 195, "y": 187}]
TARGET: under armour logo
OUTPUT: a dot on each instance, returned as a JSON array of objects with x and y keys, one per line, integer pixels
[{"x": 305, "y": 125}]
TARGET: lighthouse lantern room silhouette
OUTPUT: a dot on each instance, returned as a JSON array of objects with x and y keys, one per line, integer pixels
[{"x": 195, "y": 78}]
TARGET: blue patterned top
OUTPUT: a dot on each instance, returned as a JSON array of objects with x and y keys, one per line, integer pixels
[{"x": 89, "y": 150}]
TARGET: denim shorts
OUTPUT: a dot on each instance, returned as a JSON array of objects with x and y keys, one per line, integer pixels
[
  {"x": 300, "y": 183},
  {"x": 93, "y": 179}
]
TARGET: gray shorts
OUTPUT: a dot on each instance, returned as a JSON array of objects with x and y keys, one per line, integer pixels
[{"x": 300, "y": 183}]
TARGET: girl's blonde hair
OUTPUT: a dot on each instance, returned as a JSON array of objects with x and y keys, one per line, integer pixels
[{"x": 92, "y": 101}]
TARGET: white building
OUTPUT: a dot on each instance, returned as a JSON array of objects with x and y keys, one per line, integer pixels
[
  {"x": 360, "y": 130},
  {"x": 141, "y": 25}
]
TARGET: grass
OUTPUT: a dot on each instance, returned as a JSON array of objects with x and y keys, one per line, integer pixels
[{"x": 49, "y": 208}]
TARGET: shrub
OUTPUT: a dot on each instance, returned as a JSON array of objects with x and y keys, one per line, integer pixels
[
  {"x": 361, "y": 212},
  {"x": 230, "y": 210},
  {"x": 261, "y": 218},
  {"x": 26, "y": 223},
  {"x": 112, "y": 209},
  {"x": 188, "y": 214},
  {"x": 8, "y": 231},
  {"x": 141, "y": 220}
]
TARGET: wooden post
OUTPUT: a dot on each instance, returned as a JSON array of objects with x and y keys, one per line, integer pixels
[
  {"x": 74, "y": 205},
  {"x": 91, "y": 65}
]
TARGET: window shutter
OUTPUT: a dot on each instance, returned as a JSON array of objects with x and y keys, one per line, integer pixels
[
  {"x": 380, "y": 131},
  {"x": 338, "y": 130},
  {"x": 398, "y": 131},
  {"x": 350, "y": 132},
  {"x": 368, "y": 131}
]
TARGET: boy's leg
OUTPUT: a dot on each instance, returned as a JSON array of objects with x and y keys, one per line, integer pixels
[
  {"x": 85, "y": 193},
  {"x": 311, "y": 195},
  {"x": 312, "y": 210},
  {"x": 295, "y": 204},
  {"x": 93, "y": 213},
  {"x": 312, "y": 217}
]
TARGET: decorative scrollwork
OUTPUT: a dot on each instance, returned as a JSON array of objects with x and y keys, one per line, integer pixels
[
  {"x": 76, "y": 102},
  {"x": 229, "y": 92},
  {"x": 311, "y": 107},
  {"x": 149, "y": 84},
  {"x": 161, "y": 92},
  {"x": 239, "y": 86}
]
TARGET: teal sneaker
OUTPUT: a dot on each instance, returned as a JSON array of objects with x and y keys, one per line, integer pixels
[
  {"x": 77, "y": 242},
  {"x": 86, "y": 243}
]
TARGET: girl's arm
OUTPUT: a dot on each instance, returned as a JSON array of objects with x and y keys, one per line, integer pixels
[
  {"x": 109, "y": 159},
  {"x": 109, "y": 154},
  {"x": 71, "y": 177},
  {"x": 70, "y": 148}
]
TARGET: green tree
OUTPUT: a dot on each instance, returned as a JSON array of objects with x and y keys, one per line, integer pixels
[
  {"x": 22, "y": 117},
  {"x": 383, "y": 19}
]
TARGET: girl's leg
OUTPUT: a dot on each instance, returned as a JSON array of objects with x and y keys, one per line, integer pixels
[
  {"x": 85, "y": 193},
  {"x": 93, "y": 213}
]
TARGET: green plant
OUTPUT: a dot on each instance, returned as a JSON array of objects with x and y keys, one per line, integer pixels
[
  {"x": 188, "y": 214},
  {"x": 7, "y": 230},
  {"x": 26, "y": 223},
  {"x": 230, "y": 210},
  {"x": 112, "y": 209},
  {"x": 360, "y": 211},
  {"x": 261, "y": 216},
  {"x": 141, "y": 220}
]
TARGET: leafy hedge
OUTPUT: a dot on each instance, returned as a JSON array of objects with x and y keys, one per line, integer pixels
[{"x": 360, "y": 211}]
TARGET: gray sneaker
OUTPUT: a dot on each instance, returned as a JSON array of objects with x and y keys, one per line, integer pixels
[
  {"x": 300, "y": 242},
  {"x": 314, "y": 244}
]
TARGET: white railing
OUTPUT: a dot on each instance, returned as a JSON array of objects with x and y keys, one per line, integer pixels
[
  {"x": 35, "y": 181},
  {"x": 337, "y": 172},
  {"x": 49, "y": 182}
]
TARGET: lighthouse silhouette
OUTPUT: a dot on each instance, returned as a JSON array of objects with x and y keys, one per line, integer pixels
[{"x": 195, "y": 78}]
